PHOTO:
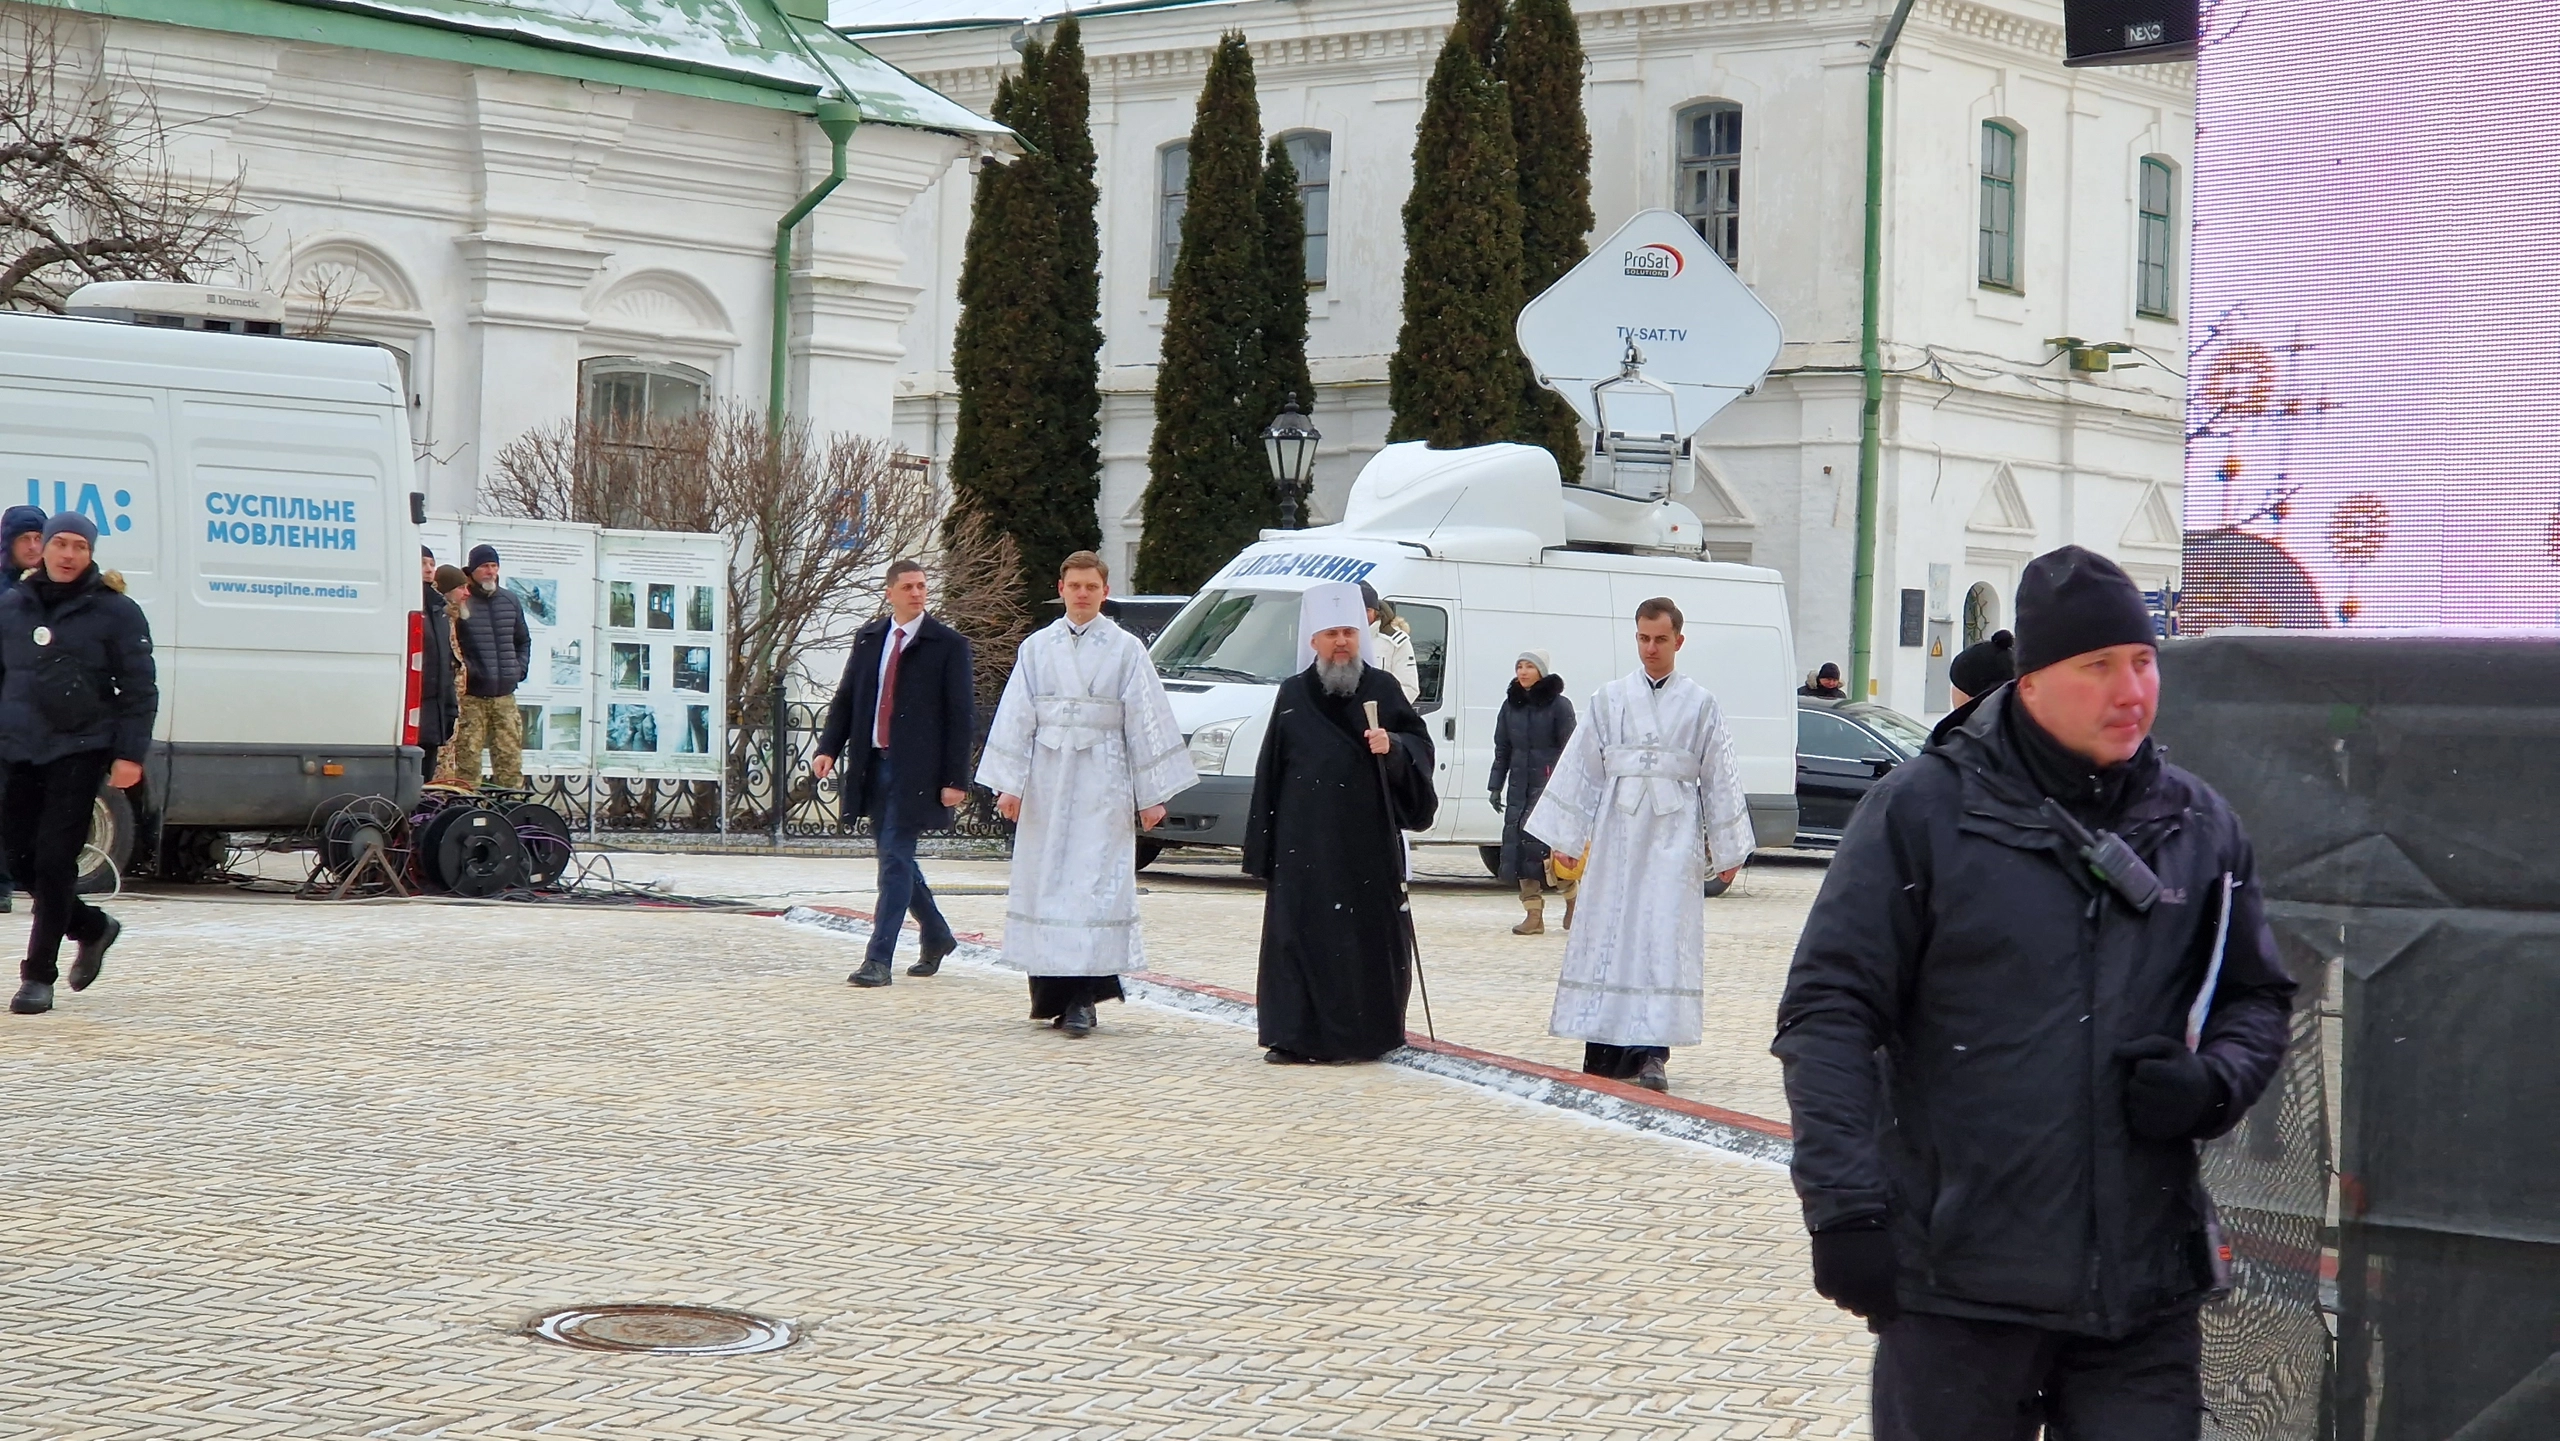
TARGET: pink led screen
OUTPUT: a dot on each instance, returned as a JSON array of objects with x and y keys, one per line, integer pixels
[{"x": 2373, "y": 390}]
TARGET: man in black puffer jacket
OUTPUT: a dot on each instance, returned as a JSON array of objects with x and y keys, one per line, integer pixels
[
  {"x": 2013, "y": 1203},
  {"x": 78, "y": 695},
  {"x": 497, "y": 651}
]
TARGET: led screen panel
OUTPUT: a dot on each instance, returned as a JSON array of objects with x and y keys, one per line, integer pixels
[{"x": 2374, "y": 318}]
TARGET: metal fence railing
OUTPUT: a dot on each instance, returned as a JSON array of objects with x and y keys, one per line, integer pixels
[{"x": 743, "y": 801}]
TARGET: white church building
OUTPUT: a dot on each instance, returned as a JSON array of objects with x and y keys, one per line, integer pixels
[
  {"x": 2032, "y": 265},
  {"x": 551, "y": 207}
]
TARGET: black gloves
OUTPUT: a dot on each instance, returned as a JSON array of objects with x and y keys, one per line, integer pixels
[
  {"x": 1496, "y": 798},
  {"x": 2171, "y": 1095},
  {"x": 1853, "y": 1265}
]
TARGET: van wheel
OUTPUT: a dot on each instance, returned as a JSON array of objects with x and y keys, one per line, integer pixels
[
  {"x": 110, "y": 845},
  {"x": 1492, "y": 857},
  {"x": 1148, "y": 851}
]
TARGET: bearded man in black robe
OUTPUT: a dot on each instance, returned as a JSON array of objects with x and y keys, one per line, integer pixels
[{"x": 1336, "y": 968}]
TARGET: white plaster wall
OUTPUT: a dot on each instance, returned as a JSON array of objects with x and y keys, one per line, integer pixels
[
  {"x": 502, "y": 227},
  {"x": 1973, "y": 386}
]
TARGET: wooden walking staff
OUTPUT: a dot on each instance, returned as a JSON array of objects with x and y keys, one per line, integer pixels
[{"x": 1404, "y": 888}]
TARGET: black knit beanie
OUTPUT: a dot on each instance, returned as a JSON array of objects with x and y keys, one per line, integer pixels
[
  {"x": 2072, "y": 601},
  {"x": 1985, "y": 665}
]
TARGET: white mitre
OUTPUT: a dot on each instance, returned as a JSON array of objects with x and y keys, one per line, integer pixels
[{"x": 1327, "y": 607}]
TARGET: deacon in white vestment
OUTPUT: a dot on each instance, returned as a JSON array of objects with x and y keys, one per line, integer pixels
[
  {"x": 1083, "y": 755},
  {"x": 1647, "y": 794}
]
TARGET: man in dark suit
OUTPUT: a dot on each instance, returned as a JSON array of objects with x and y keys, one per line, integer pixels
[{"x": 901, "y": 725}]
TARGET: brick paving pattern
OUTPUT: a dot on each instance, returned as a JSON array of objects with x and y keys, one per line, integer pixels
[
  {"x": 294, "y": 1170},
  {"x": 1489, "y": 989}
]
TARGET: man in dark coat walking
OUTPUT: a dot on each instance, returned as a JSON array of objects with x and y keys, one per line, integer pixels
[
  {"x": 1335, "y": 968},
  {"x": 2013, "y": 1204},
  {"x": 78, "y": 695},
  {"x": 22, "y": 537},
  {"x": 901, "y": 725},
  {"x": 1528, "y": 735}
]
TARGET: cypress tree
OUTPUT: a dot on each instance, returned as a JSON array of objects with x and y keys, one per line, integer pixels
[
  {"x": 1024, "y": 456},
  {"x": 1003, "y": 349},
  {"x": 1284, "y": 258},
  {"x": 1483, "y": 23},
  {"x": 1208, "y": 487},
  {"x": 1542, "y": 75},
  {"x": 1456, "y": 376},
  {"x": 1075, "y": 487}
]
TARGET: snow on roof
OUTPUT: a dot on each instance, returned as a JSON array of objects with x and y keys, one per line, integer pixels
[
  {"x": 747, "y": 40},
  {"x": 856, "y": 17}
]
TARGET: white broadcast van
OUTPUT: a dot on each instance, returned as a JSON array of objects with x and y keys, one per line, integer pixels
[
  {"x": 1483, "y": 553},
  {"x": 255, "y": 493}
]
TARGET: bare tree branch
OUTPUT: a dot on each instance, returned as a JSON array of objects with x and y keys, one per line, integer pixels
[{"x": 87, "y": 191}]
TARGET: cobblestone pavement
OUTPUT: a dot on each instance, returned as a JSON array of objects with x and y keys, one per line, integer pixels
[
  {"x": 1489, "y": 988},
  {"x": 295, "y": 1170}
]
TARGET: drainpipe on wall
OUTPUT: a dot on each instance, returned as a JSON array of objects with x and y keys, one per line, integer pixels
[
  {"x": 1862, "y": 600},
  {"x": 837, "y": 118}
]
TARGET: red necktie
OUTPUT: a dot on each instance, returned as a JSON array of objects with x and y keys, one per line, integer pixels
[{"x": 888, "y": 689}]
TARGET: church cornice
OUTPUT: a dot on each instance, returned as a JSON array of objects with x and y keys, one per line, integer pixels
[{"x": 1602, "y": 29}]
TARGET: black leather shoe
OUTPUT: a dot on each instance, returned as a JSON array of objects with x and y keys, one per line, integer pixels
[
  {"x": 932, "y": 960},
  {"x": 1650, "y": 1075},
  {"x": 33, "y": 999},
  {"x": 1079, "y": 1019},
  {"x": 91, "y": 958},
  {"x": 873, "y": 973},
  {"x": 1279, "y": 1057}
]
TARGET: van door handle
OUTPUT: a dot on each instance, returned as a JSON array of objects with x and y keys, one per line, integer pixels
[{"x": 1449, "y": 729}]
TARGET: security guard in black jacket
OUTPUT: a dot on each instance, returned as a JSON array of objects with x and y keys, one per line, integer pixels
[
  {"x": 1986, "y": 1034},
  {"x": 78, "y": 694}
]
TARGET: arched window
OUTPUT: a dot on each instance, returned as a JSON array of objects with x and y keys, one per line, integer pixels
[
  {"x": 619, "y": 389},
  {"x": 1710, "y": 136},
  {"x": 2151, "y": 275},
  {"x": 1311, "y": 154},
  {"x": 1173, "y": 184},
  {"x": 1981, "y": 613},
  {"x": 1999, "y": 266}
]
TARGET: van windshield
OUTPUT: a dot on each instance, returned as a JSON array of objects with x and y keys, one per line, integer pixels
[{"x": 1231, "y": 635}]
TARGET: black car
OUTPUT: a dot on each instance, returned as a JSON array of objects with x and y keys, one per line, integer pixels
[
  {"x": 1144, "y": 616},
  {"x": 1842, "y": 748}
]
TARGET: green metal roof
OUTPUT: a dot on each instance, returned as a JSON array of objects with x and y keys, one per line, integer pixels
[{"x": 744, "y": 51}]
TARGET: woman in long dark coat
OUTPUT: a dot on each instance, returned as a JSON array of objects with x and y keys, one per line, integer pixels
[{"x": 1528, "y": 736}]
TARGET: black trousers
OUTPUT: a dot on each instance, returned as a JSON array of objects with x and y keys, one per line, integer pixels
[
  {"x": 1619, "y": 1063},
  {"x": 1938, "y": 1378},
  {"x": 1051, "y": 995},
  {"x": 44, "y": 821}
]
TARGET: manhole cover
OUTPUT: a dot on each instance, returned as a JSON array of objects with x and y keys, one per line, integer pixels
[{"x": 664, "y": 1330}]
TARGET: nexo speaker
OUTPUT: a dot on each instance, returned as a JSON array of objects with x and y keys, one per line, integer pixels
[{"x": 2128, "y": 32}]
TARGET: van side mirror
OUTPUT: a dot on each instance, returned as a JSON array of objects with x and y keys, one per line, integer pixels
[{"x": 417, "y": 507}]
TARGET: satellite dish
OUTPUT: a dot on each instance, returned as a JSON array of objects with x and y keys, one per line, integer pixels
[{"x": 1657, "y": 286}]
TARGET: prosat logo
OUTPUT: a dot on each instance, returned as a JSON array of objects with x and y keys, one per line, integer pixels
[{"x": 1656, "y": 262}]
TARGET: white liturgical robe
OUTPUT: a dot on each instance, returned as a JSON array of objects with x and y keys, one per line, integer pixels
[
  {"x": 1084, "y": 736},
  {"x": 1646, "y": 792}
]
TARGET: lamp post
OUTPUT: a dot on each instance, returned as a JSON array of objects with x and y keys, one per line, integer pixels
[{"x": 1290, "y": 444}]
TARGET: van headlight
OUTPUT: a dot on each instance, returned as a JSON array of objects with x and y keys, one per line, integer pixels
[{"x": 1210, "y": 743}]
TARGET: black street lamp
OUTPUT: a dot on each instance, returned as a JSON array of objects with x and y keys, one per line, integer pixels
[{"x": 1290, "y": 443}]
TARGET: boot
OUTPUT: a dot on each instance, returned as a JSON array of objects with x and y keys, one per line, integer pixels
[
  {"x": 1535, "y": 923},
  {"x": 1568, "y": 907}
]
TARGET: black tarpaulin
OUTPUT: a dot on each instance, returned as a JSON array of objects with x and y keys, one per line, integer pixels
[{"x": 2395, "y": 1198}]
